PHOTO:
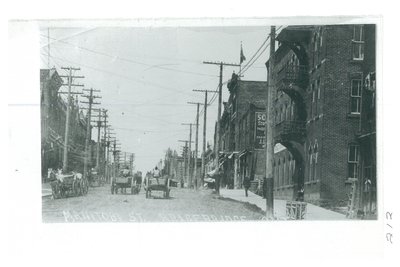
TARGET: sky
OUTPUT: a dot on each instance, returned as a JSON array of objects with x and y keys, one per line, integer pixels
[{"x": 146, "y": 76}]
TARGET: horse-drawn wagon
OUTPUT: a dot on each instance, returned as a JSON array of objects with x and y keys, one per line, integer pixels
[
  {"x": 123, "y": 181},
  {"x": 66, "y": 185},
  {"x": 157, "y": 184}
]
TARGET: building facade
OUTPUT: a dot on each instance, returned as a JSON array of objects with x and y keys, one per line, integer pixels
[
  {"x": 53, "y": 117},
  {"x": 240, "y": 156},
  {"x": 318, "y": 73}
]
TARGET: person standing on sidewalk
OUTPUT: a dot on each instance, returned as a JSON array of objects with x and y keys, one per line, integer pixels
[
  {"x": 246, "y": 185},
  {"x": 264, "y": 187},
  {"x": 217, "y": 177}
]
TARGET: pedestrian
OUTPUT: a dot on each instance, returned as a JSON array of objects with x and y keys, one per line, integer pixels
[
  {"x": 300, "y": 195},
  {"x": 246, "y": 185},
  {"x": 264, "y": 187},
  {"x": 217, "y": 177}
]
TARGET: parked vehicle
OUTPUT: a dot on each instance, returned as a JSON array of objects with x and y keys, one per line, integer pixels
[
  {"x": 157, "y": 184},
  {"x": 67, "y": 185},
  {"x": 95, "y": 179},
  {"x": 123, "y": 181}
]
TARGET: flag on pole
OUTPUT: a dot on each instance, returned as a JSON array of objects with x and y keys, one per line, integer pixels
[{"x": 242, "y": 57}]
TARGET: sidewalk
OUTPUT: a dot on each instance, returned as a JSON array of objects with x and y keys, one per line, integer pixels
[
  {"x": 313, "y": 212},
  {"x": 46, "y": 190}
]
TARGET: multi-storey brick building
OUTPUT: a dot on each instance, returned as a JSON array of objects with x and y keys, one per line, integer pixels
[
  {"x": 240, "y": 155},
  {"x": 318, "y": 73},
  {"x": 53, "y": 116}
]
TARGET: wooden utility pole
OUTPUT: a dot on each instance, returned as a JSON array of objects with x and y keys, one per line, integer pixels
[
  {"x": 217, "y": 141},
  {"x": 189, "y": 153},
  {"x": 109, "y": 170},
  {"x": 105, "y": 143},
  {"x": 116, "y": 151},
  {"x": 70, "y": 78},
  {"x": 90, "y": 102},
  {"x": 270, "y": 128},
  {"x": 197, "y": 180},
  {"x": 98, "y": 125},
  {"x": 186, "y": 158},
  {"x": 203, "y": 163}
]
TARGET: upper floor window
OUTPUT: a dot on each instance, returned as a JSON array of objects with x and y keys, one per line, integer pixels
[
  {"x": 353, "y": 161},
  {"x": 316, "y": 37},
  {"x": 358, "y": 42},
  {"x": 355, "y": 94}
]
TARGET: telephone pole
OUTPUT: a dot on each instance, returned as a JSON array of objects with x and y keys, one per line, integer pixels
[
  {"x": 108, "y": 143},
  {"x": 189, "y": 153},
  {"x": 187, "y": 161},
  {"x": 70, "y": 78},
  {"x": 90, "y": 102},
  {"x": 221, "y": 66},
  {"x": 116, "y": 151},
  {"x": 105, "y": 142},
  {"x": 98, "y": 125},
  {"x": 197, "y": 181},
  {"x": 270, "y": 128},
  {"x": 203, "y": 163}
]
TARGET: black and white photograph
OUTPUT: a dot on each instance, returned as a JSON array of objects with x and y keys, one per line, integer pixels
[
  {"x": 208, "y": 123},
  {"x": 196, "y": 140}
]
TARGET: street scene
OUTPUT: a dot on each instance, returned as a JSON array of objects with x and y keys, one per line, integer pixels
[{"x": 208, "y": 124}]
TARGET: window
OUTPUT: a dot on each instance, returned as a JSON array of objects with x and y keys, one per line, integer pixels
[
  {"x": 358, "y": 42},
  {"x": 292, "y": 110},
  {"x": 315, "y": 160},
  {"x": 315, "y": 42},
  {"x": 355, "y": 95},
  {"x": 320, "y": 37},
  {"x": 315, "y": 95},
  {"x": 310, "y": 163},
  {"x": 353, "y": 161},
  {"x": 287, "y": 112},
  {"x": 282, "y": 172}
]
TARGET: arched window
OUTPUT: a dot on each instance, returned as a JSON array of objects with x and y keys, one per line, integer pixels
[
  {"x": 283, "y": 172},
  {"x": 310, "y": 169},
  {"x": 315, "y": 160},
  {"x": 287, "y": 177},
  {"x": 292, "y": 110},
  {"x": 315, "y": 42}
]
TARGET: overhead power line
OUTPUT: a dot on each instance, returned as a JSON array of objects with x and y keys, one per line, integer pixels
[{"x": 129, "y": 60}]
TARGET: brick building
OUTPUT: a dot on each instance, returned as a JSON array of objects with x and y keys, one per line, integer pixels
[
  {"x": 318, "y": 73},
  {"x": 53, "y": 115},
  {"x": 366, "y": 197},
  {"x": 239, "y": 155}
]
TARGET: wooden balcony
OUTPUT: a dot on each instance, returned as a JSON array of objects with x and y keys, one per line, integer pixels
[
  {"x": 292, "y": 77},
  {"x": 286, "y": 131}
]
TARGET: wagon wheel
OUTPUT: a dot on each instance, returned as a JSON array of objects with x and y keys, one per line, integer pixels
[
  {"x": 62, "y": 191},
  {"x": 80, "y": 188},
  {"x": 75, "y": 189},
  {"x": 85, "y": 187},
  {"x": 55, "y": 191}
]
